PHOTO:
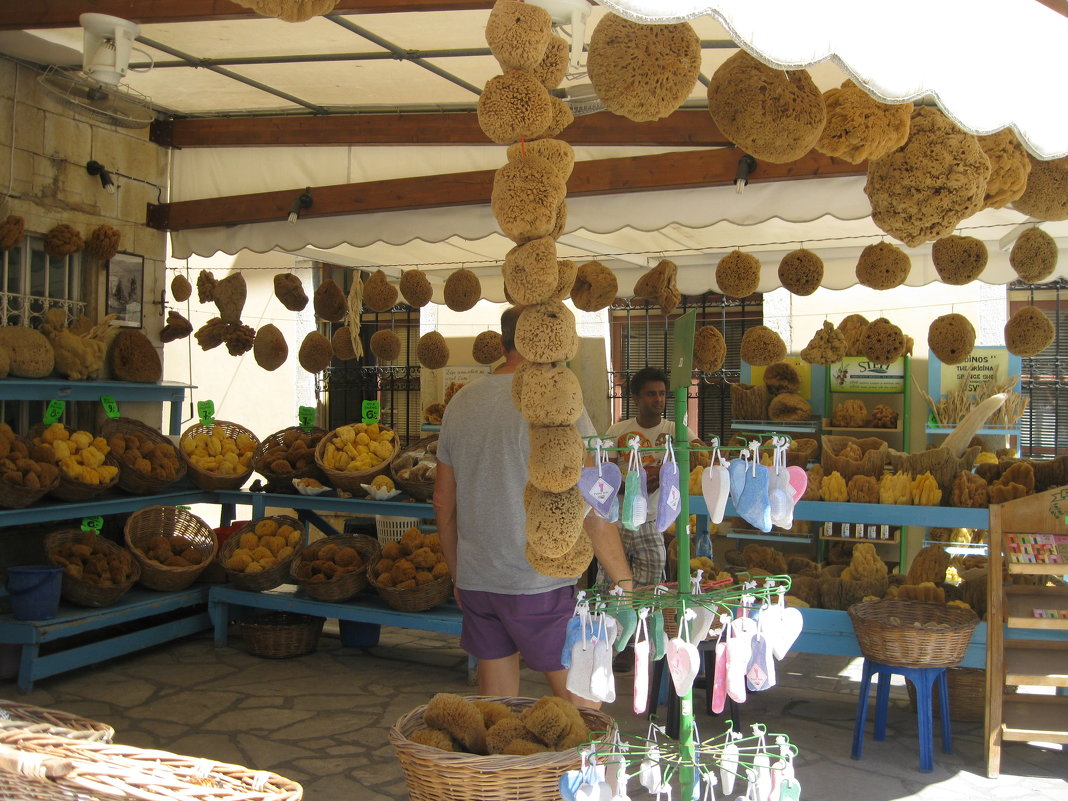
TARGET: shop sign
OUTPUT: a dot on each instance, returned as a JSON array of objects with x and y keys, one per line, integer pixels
[
  {"x": 987, "y": 364},
  {"x": 858, "y": 374}
]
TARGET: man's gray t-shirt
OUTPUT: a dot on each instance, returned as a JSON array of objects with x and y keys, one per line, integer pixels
[{"x": 484, "y": 439}]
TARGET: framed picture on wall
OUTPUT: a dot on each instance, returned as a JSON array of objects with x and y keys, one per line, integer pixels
[{"x": 126, "y": 282}]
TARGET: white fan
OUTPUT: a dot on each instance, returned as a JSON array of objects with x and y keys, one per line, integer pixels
[
  {"x": 580, "y": 98},
  {"x": 96, "y": 91}
]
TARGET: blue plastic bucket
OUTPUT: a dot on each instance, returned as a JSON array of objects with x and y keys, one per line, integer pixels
[
  {"x": 358, "y": 635},
  {"x": 34, "y": 591}
]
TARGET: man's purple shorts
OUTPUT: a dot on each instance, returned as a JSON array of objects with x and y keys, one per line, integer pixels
[{"x": 497, "y": 625}]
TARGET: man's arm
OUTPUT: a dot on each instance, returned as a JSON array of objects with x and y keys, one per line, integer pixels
[
  {"x": 608, "y": 548},
  {"x": 445, "y": 512}
]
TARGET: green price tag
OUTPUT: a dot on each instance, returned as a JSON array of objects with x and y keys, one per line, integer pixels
[
  {"x": 306, "y": 416},
  {"x": 54, "y": 411},
  {"x": 92, "y": 524},
  {"x": 206, "y": 411},
  {"x": 111, "y": 407},
  {"x": 372, "y": 412},
  {"x": 182, "y": 507}
]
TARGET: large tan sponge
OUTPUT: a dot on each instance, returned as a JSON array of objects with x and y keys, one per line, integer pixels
[
  {"x": 531, "y": 271},
  {"x": 315, "y": 352},
  {"x": 385, "y": 345},
  {"x": 379, "y": 295},
  {"x": 462, "y": 290},
  {"x": 883, "y": 342},
  {"x": 556, "y": 456},
  {"x": 545, "y": 333},
  {"x": 1046, "y": 194},
  {"x": 595, "y": 287},
  {"x": 709, "y": 349},
  {"x": 515, "y": 106},
  {"x": 1028, "y": 332},
  {"x": 1009, "y": 168},
  {"x": 30, "y": 354},
  {"x": 487, "y": 347},
  {"x": 518, "y": 34},
  {"x": 658, "y": 285},
  {"x": 761, "y": 346},
  {"x": 526, "y": 196},
  {"x": 801, "y": 272},
  {"x": 883, "y": 266},
  {"x": 571, "y": 564},
  {"x": 550, "y": 395},
  {"x": 554, "y": 520},
  {"x": 432, "y": 351},
  {"x": 738, "y": 274},
  {"x": 859, "y": 127},
  {"x": 270, "y": 349},
  {"x": 415, "y": 288},
  {"x": 951, "y": 338},
  {"x": 1034, "y": 256},
  {"x": 959, "y": 260},
  {"x": 329, "y": 301},
  {"x": 555, "y": 152}
]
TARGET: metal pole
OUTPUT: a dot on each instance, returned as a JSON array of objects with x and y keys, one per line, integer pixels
[{"x": 682, "y": 540}]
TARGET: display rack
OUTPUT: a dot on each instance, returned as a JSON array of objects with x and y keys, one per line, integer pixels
[{"x": 856, "y": 378}]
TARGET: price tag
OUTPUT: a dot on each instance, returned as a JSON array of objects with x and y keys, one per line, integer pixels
[
  {"x": 182, "y": 507},
  {"x": 372, "y": 412},
  {"x": 54, "y": 411},
  {"x": 306, "y": 416},
  {"x": 92, "y": 524},
  {"x": 111, "y": 406},
  {"x": 206, "y": 411}
]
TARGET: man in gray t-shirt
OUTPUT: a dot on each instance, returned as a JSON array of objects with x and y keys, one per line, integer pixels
[{"x": 509, "y": 608}]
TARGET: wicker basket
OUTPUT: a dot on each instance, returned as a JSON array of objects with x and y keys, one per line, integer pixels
[
  {"x": 18, "y": 787},
  {"x": 420, "y": 490},
  {"x": 283, "y": 482},
  {"x": 13, "y": 496},
  {"x": 967, "y": 694},
  {"x": 873, "y": 456},
  {"x": 749, "y": 401},
  {"x": 69, "y": 489},
  {"x": 269, "y": 578},
  {"x": 281, "y": 635},
  {"x": 886, "y": 632},
  {"x": 350, "y": 482},
  {"x": 345, "y": 586},
  {"x": 54, "y": 722},
  {"x": 107, "y": 770},
  {"x": 86, "y": 593},
  {"x": 436, "y": 775},
  {"x": 153, "y": 521},
  {"x": 415, "y": 599},
  {"x": 213, "y": 481},
  {"x": 131, "y": 479}
]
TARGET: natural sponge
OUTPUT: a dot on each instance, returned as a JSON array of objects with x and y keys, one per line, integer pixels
[
  {"x": 487, "y": 347},
  {"x": 761, "y": 346},
  {"x": 883, "y": 266},
  {"x": 463, "y": 289},
  {"x": 552, "y": 68},
  {"x": 1028, "y": 332},
  {"x": 801, "y": 272},
  {"x": 315, "y": 352},
  {"x": 555, "y": 152},
  {"x": 1034, "y": 255},
  {"x": 545, "y": 333},
  {"x": 923, "y": 189},
  {"x": 883, "y": 342},
  {"x": 827, "y": 346},
  {"x": 959, "y": 260},
  {"x": 133, "y": 358},
  {"x": 781, "y": 377},
  {"x": 859, "y": 127},
  {"x": 270, "y": 349},
  {"x": 566, "y": 271},
  {"x": 527, "y": 192},
  {"x": 181, "y": 289},
  {"x": 1046, "y": 194},
  {"x": 1009, "y": 168},
  {"x": 789, "y": 406},
  {"x": 416, "y": 289},
  {"x": 379, "y": 295},
  {"x": 595, "y": 287},
  {"x": 951, "y": 338},
  {"x": 658, "y": 285},
  {"x": 554, "y": 520},
  {"x": 177, "y": 327},
  {"x": 643, "y": 72},
  {"x": 385, "y": 345},
  {"x": 460, "y": 718},
  {"x": 514, "y": 106},
  {"x": 738, "y": 274},
  {"x": 560, "y": 117},
  {"x": 62, "y": 240},
  {"x": 709, "y": 349},
  {"x": 550, "y": 395},
  {"x": 29, "y": 352},
  {"x": 432, "y": 351},
  {"x": 571, "y": 564},
  {"x": 518, "y": 34},
  {"x": 103, "y": 242},
  {"x": 556, "y": 457},
  {"x": 329, "y": 301},
  {"x": 774, "y": 115},
  {"x": 290, "y": 291},
  {"x": 11, "y": 231},
  {"x": 341, "y": 344},
  {"x": 852, "y": 329},
  {"x": 531, "y": 271}
]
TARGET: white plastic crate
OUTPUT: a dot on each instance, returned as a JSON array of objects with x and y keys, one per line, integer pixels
[{"x": 391, "y": 528}]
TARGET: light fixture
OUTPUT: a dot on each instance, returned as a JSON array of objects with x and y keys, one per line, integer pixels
[
  {"x": 98, "y": 169},
  {"x": 746, "y": 166},
  {"x": 300, "y": 202}
]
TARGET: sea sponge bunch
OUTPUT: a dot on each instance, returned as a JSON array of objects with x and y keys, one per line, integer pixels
[
  {"x": 172, "y": 550},
  {"x": 296, "y": 451},
  {"x": 155, "y": 459},
  {"x": 267, "y": 544},
  {"x": 827, "y": 346},
  {"x": 410, "y": 562},
  {"x": 103, "y": 242},
  {"x": 89, "y": 559},
  {"x": 79, "y": 455},
  {"x": 859, "y": 127},
  {"x": 77, "y": 356},
  {"x": 218, "y": 452},
  {"x": 12, "y": 230},
  {"x": 358, "y": 447},
  {"x": 62, "y": 240},
  {"x": 19, "y": 468}
]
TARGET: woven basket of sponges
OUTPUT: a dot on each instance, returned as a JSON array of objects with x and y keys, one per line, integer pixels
[
  {"x": 96, "y": 571},
  {"x": 172, "y": 546},
  {"x": 411, "y": 575},
  {"x": 147, "y": 461},
  {"x": 912, "y": 633},
  {"x": 434, "y": 774},
  {"x": 53, "y": 721},
  {"x": 257, "y": 556},
  {"x": 286, "y": 455},
  {"x": 334, "y": 568},
  {"x": 281, "y": 635}
]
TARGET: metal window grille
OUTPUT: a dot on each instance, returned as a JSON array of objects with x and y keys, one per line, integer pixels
[{"x": 1044, "y": 426}]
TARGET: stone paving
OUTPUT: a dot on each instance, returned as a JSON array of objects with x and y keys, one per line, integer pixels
[{"x": 323, "y": 719}]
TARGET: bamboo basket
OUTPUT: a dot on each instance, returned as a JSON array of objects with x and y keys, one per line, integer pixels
[
  {"x": 415, "y": 599},
  {"x": 885, "y": 632},
  {"x": 283, "y": 482},
  {"x": 435, "y": 775},
  {"x": 83, "y": 592},
  {"x": 873, "y": 456},
  {"x": 107, "y": 770},
  {"x": 153, "y": 521},
  {"x": 132, "y": 480},
  {"x": 272, "y": 576},
  {"x": 281, "y": 635},
  {"x": 54, "y": 721},
  {"x": 420, "y": 490},
  {"x": 749, "y": 402},
  {"x": 350, "y": 482},
  {"x": 70, "y": 489},
  {"x": 345, "y": 586},
  {"x": 213, "y": 481}
]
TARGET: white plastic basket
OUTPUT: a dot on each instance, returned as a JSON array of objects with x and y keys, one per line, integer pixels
[{"x": 391, "y": 528}]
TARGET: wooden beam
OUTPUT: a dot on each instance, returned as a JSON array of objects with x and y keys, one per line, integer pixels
[
  {"x": 598, "y": 177},
  {"x": 64, "y": 13},
  {"x": 688, "y": 127}
]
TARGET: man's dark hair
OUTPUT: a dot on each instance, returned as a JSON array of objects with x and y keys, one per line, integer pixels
[
  {"x": 645, "y": 376},
  {"x": 509, "y": 317}
]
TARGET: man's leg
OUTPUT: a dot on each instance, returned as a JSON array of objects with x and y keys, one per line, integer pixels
[
  {"x": 558, "y": 684},
  {"x": 647, "y": 555},
  {"x": 499, "y": 676}
]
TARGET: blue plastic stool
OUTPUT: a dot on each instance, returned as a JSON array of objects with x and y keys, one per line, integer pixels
[{"x": 924, "y": 680}]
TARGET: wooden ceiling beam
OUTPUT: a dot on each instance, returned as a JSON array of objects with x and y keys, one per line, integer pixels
[
  {"x": 64, "y": 13},
  {"x": 686, "y": 127},
  {"x": 598, "y": 177}
]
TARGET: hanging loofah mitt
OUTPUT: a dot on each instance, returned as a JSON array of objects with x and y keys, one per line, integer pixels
[
  {"x": 415, "y": 288},
  {"x": 379, "y": 295},
  {"x": 1034, "y": 256},
  {"x": 859, "y": 127},
  {"x": 959, "y": 260},
  {"x": 1009, "y": 168},
  {"x": 463, "y": 289},
  {"x": 62, "y": 240},
  {"x": 270, "y": 349},
  {"x": 951, "y": 338},
  {"x": 514, "y": 106},
  {"x": 518, "y": 34},
  {"x": 1046, "y": 194},
  {"x": 290, "y": 291},
  {"x": 103, "y": 242}
]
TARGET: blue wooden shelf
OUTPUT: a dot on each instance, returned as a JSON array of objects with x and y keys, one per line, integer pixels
[
  {"x": 259, "y": 501},
  {"x": 49, "y": 511}
]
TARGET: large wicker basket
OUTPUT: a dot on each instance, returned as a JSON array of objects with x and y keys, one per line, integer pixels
[
  {"x": 87, "y": 593},
  {"x": 350, "y": 482},
  {"x": 213, "y": 481},
  {"x": 415, "y": 599},
  {"x": 272, "y": 576},
  {"x": 912, "y": 633},
  {"x": 281, "y": 635},
  {"x": 283, "y": 482},
  {"x": 13, "y": 496},
  {"x": 135, "y": 481},
  {"x": 70, "y": 489},
  {"x": 420, "y": 490},
  {"x": 108, "y": 770},
  {"x": 436, "y": 775},
  {"x": 54, "y": 721},
  {"x": 873, "y": 456},
  {"x": 345, "y": 586},
  {"x": 154, "y": 521}
]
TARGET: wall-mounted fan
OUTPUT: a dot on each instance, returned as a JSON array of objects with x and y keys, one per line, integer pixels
[{"x": 95, "y": 91}]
